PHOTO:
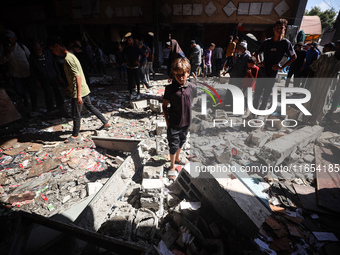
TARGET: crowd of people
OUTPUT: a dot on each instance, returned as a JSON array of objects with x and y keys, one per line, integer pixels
[
  {"x": 35, "y": 66},
  {"x": 311, "y": 68}
]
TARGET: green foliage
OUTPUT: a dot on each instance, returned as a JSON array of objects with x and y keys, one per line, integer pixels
[{"x": 327, "y": 17}]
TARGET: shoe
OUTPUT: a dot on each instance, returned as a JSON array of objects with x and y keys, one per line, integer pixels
[
  {"x": 138, "y": 97},
  {"x": 105, "y": 127},
  {"x": 71, "y": 139},
  {"x": 182, "y": 162}
]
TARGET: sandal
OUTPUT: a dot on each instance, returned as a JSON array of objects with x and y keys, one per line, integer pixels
[
  {"x": 71, "y": 139},
  {"x": 181, "y": 162},
  {"x": 105, "y": 127}
]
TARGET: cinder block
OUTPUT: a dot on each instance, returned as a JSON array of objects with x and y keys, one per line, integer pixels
[
  {"x": 152, "y": 184},
  {"x": 93, "y": 187},
  {"x": 259, "y": 138},
  {"x": 235, "y": 203},
  {"x": 152, "y": 172},
  {"x": 160, "y": 128},
  {"x": 155, "y": 106},
  {"x": 274, "y": 152},
  {"x": 139, "y": 104}
]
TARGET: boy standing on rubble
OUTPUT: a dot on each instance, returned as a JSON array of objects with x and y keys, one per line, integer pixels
[
  {"x": 178, "y": 116},
  {"x": 77, "y": 87}
]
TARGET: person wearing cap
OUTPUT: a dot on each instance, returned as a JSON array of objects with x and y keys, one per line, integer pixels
[
  {"x": 328, "y": 47},
  {"x": 77, "y": 87},
  {"x": 195, "y": 57},
  {"x": 16, "y": 56},
  {"x": 273, "y": 50},
  {"x": 296, "y": 67},
  {"x": 175, "y": 52},
  {"x": 239, "y": 70}
]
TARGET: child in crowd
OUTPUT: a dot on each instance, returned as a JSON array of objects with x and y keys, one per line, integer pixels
[
  {"x": 178, "y": 116},
  {"x": 251, "y": 75}
]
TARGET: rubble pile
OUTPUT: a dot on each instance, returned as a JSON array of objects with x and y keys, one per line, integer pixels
[
  {"x": 49, "y": 178},
  {"x": 191, "y": 210}
]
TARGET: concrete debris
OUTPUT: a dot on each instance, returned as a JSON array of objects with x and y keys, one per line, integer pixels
[
  {"x": 155, "y": 106},
  {"x": 93, "y": 187},
  {"x": 139, "y": 104},
  {"x": 277, "y": 150},
  {"x": 259, "y": 138},
  {"x": 161, "y": 128},
  {"x": 133, "y": 196},
  {"x": 153, "y": 172}
]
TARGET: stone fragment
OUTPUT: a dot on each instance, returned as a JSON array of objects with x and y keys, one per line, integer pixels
[
  {"x": 155, "y": 106},
  {"x": 93, "y": 187},
  {"x": 152, "y": 172},
  {"x": 308, "y": 158},
  {"x": 152, "y": 184},
  {"x": 82, "y": 193},
  {"x": 160, "y": 128},
  {"x": 258, "y": 138},
  {"x": 66, "y": 198},
  {"x": 139, "y": 104},
  {"x": 119, "y": 160},
  {"x": 274, "y": 152}
]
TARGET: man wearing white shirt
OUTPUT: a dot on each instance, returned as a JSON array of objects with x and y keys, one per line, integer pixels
[{"x": 16, "y": 56}]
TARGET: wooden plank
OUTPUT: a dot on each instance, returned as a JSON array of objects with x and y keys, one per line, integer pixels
[{"x": 328, "y": 178}]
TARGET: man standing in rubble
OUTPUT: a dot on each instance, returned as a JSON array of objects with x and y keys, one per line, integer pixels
[
  {"x": 273, "y": 50},
  {"x": 132, "y": 55},
  {"x": 16, "y": 55},
  {"x": 77, "y": 86}
]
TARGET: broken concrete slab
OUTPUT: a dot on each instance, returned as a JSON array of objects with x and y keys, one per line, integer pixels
[
  {"x": 93, "y": 187},
  {"x": 274, "y": 152},
  {"x": 153, "y": 172},
  {"x": 139, "y": 104},
  {"x": 155, "y": 106},
  {"x": 152, "y": 184},
  {"x": 259, "y": 138},
  {"x": 230, "y": 198},
  {"x": 161, "y": 128},
  {"x": 117, "y": 144}
]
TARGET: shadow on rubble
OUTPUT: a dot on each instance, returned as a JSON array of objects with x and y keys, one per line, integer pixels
[
  {"x": 26, "y": 233},
  {"x": 32, "y": 234}
]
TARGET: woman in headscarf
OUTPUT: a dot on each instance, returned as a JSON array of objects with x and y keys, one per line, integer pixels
[{"x": 175, "y": 52}]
